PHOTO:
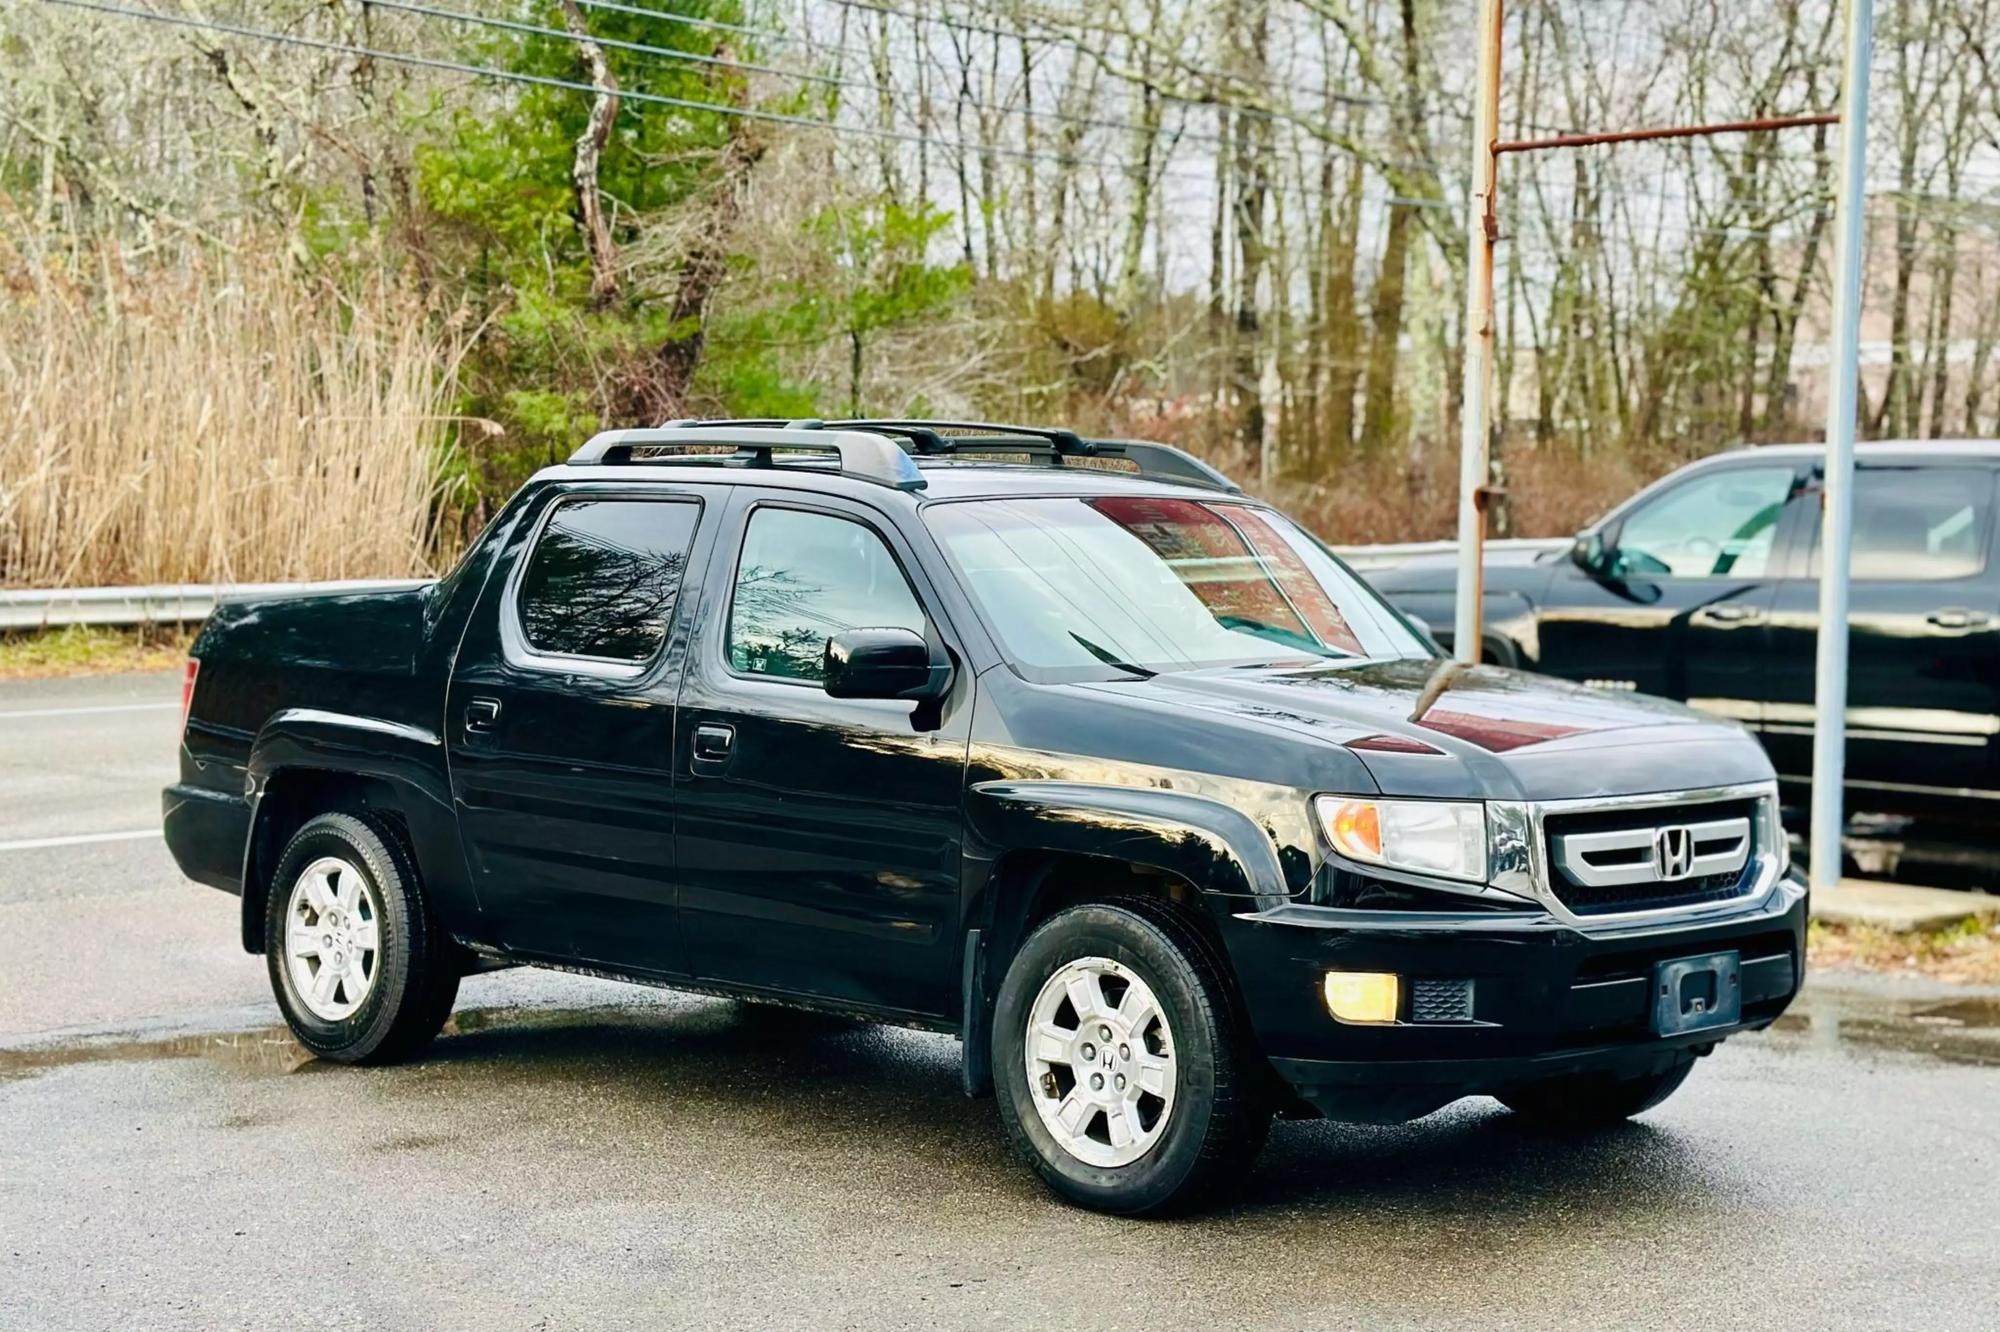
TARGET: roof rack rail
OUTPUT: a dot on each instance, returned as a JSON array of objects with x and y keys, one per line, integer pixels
[
  {"x": 862, "y": 455},
  {"x": 929, "y": 439}
]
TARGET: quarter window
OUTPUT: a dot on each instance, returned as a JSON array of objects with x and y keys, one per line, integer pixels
[
  {"x": 604, "y": 576},
  {"x": 1915, "y": 524},
  {"x": 1715, "y": 526},
  {"x": 803, "y": 578}
]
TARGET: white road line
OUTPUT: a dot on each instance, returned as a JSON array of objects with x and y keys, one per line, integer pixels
[
  {"x": 80, "y": 839},
  {"x": 84, "y": 712}
]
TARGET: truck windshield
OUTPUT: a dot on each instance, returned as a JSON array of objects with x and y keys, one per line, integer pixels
[{"x": 1079, "y": 587}]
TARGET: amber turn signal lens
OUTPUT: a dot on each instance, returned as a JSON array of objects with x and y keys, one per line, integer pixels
[
  {"x": 1362, "y": 996},
  {"x": 1356, "y": 828}
]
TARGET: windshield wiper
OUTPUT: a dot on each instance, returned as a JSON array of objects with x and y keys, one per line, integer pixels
[
  {"x": 1272, "y": 633},
  {"x": 1110, "y": 660}
]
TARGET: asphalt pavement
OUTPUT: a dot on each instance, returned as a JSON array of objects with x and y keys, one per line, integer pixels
[{"x": 579, "y": 1154}]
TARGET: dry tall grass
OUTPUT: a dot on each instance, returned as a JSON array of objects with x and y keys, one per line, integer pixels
[{"x": 215, "y": 419}]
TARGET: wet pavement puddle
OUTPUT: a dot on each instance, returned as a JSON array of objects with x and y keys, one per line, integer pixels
[
  {"x": 1964, "y": 1031},
  {"x": 1951, "y": 1030}
]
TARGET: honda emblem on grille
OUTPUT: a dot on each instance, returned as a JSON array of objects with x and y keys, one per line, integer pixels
[{"x": 1673, "y": 853}]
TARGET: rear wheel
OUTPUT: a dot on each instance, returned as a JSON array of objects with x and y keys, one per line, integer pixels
[
  {"x": 1124, "y": 1073},
  {"x": 360, "y": 970},
  {"x": 1585, "y": 1101}
]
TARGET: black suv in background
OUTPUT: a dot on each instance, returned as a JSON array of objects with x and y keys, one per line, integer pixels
[
  {"x": 1061, "y": 745},
  {"x": 1704, "y": 587}
]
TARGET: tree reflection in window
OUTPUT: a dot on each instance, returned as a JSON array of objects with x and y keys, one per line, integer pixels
[
  {"x": 603, "y": 578},
  {"x": 803, "y": 578}
]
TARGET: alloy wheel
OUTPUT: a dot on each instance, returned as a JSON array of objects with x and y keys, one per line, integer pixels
[
  {"x": 1100, "y": 1060},
  {"x": 332, "y": 938}
]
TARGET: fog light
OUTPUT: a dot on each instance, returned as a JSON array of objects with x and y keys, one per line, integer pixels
[{"x": 1362, "y": 996}]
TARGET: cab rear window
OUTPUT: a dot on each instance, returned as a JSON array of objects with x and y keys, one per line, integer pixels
[{"x": 604, "y": 576}]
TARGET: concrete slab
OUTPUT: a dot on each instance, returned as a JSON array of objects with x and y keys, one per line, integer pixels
[{"x": 1899, "y": 907}]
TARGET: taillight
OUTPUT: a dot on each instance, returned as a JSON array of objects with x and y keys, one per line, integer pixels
[{"x": 188, "y": 673}]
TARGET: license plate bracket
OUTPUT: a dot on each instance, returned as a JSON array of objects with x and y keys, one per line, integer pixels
[{"x": 1697, "y": 993}]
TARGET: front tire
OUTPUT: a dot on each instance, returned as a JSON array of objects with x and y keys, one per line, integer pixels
[
  {"x": 1584, "y": 1102},
  {"x": 361, "y": 971},
  {"x": 1164, "y": 1111}
]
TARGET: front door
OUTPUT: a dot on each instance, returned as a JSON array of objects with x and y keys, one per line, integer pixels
[
  {"x": 1923, "y": 687},
  {"x": 1679, "y": 602},
  {"x": 560, "y": 726},
  {"x": 819, "y": 837}
]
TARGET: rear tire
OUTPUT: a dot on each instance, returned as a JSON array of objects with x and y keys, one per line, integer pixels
[
  {"x": 1164, "y": 1114},
  {"x": 361, "y": 971},
  {"x": 1582, "y": 1102}
]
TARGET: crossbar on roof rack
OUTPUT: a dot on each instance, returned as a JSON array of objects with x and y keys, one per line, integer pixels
[
  {"x": 929, "y": 438},
  {"x": 859, "y": 454}
]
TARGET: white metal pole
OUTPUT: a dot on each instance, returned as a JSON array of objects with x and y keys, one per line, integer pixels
[
  {"x": 1837, "y": 493},
  {"x": 1476, "y": 412}
]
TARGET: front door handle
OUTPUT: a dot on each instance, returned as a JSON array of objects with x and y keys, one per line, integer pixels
[
  {"x": 1729, "y": 612},
  {"x": 1956, "y": 618},
  {"x": 482, "y": 714},
  {"x": 712, "y": 743}
]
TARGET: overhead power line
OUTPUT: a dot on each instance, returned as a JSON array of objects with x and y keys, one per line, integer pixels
[{"x": 878, "y": 133}]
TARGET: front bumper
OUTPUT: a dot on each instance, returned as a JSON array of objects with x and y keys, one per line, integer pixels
[{"x": 1547, "y": 998}]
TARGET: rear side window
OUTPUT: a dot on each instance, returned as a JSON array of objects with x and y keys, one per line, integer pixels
[
  {"x": 1919, "y": 524},
  {"x": 803, "y": 578},
  {"x": 603, "y": 577}
]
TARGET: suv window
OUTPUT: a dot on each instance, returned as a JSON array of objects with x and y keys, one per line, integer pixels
[
  {"x": 603, "y": 577},
  {"x": 1918, "y": 524},
  {"x": 803, "y": 578},
  {"x": 1715, "y": 526}
]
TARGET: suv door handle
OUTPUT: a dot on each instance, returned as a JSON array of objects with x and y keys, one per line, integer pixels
[
  {"x": 482, "y": 714},
  {"x": 712, "y": 743},
  {"x": 1956, "y": 618},
  {"x": 1729, "y": 612}
]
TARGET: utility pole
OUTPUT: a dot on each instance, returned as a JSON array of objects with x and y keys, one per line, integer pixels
[
  {"x": 1476, "y": 488},
  {"x": 1837, "y": 491},
  {"x": 1475, "y": 429}
]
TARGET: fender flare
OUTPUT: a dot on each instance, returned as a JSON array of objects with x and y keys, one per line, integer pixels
[
  {"x": 407, "y": 760},
  {"x": 1230, "y": 860},
  {"x": 1216, "y": 847}
]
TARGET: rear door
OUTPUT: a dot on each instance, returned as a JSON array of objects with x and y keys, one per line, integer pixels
[
  {"x": 1679, "y": 605},
  {"x": 1923, "y": 701},
  {"x": 560, "y": 726}
]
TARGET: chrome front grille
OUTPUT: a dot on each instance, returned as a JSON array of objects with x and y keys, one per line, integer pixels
[
  {"x": 1652, "y": 853},
  {"x": 1670, "y": 854}
]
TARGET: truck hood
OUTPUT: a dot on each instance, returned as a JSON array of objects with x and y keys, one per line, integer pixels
[{"x": 1429, "y": 728}]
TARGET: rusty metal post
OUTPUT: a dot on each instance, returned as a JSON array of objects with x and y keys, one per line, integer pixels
[{"x": 1476, "y": 413}]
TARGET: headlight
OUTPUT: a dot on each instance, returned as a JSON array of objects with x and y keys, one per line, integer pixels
[{"x": 1444, "y": 837}]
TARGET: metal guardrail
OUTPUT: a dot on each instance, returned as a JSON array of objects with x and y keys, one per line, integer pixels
[
  {"x": 1364, "y": 558},
  {"x": 171, "y": 603},
  {"x": 186, "y": 603}
]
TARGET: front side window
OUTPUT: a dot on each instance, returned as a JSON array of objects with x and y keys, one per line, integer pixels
[
  {"x": 603, "y": 577},
  {"x": 803, "y": 578},
  {"x": 1717, "y": 526},
  {"x": 1141, "y": 585},
  {"x": 1918, "y": 524}
]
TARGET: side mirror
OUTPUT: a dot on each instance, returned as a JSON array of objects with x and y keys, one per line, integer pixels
[
  {"x": 885, "y": 663},
  {"x": 1589, "y": 555}
]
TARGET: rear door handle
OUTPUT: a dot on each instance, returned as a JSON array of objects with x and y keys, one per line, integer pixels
[
  {"x": 713, "y": 743},
  {"x": 1956, "y": 618},
  {"x": 482, "y": 714},
  {"x": 1729, "y": 612}
]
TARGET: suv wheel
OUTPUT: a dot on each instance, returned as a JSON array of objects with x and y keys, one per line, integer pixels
[
  {"x": 1124, "y": 1071},
  {"x": 1585, "y": 1101},
  {"x": 360, "y": 970}
]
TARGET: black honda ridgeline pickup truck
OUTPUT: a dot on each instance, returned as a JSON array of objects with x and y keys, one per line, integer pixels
[{"x": 1065, "y": 746}]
